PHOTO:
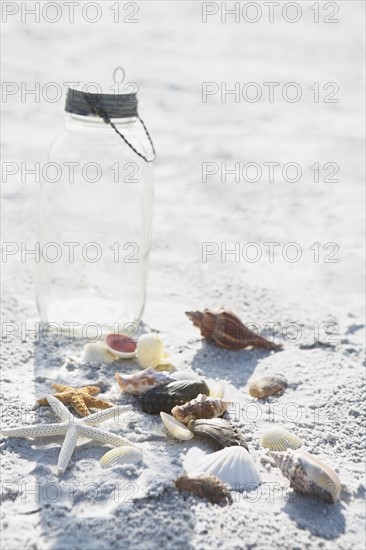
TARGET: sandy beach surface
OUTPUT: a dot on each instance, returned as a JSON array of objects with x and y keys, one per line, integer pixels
[{"x": 316, "y": 307}]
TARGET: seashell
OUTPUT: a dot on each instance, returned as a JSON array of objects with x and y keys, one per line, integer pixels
[
  {"x": 218, "y": 432},
  {"x": 307, "y": 474},
  {"x": 185, "y": 375},
  {"x": 205, "y": 486},
  {"x": 217, "y": 389},
  {"x": 164, "y": 398},
  {"x": 176, "y": 428},
  {"x": 278, "y": 439},
  {"x": 200, "y": 407},
  {"x": 150, "y": 351},
  {"x": 121, "y": 455},
  {"x": 142, "y": 381},
  {"x": 232, "y": 465},
  {"x": 225, "y": 329},
  {"x": 97, "y": 354},
  {"x": 267, "y": 385},
  {"x": 121, "y": 345}
]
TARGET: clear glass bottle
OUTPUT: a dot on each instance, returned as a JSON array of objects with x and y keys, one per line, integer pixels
[{"x": 95, "y": 215}]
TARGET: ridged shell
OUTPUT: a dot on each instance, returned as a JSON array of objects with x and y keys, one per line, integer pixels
[
  {"x": 232, "y": 465},
  {"x": 176, "y": 428},
  {"x": 268, "y": 385},
  {"x": 205, "y": 486},
  {"x": 164, "y": 398},
  {"x": 121, "y": 345},
  {"x": 150, "y": 350},
  {"x": 121, "y": 455},
  {"x": 97, "y": 354},
  {"x": 307, "y": 474},
  {"x": 142, "y": 381},
  {"x": 218, "y": 432},
  {"x": 200, "y": 407},
  {"x": 278, "y": 439}
]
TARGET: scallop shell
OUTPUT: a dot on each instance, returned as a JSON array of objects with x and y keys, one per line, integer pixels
[
  {"x": 205, "y": 486},
  {"x": 97, "y": 354},
  {"x": 142, "y": 381},
  {"x": 150, "y": 350},
  {"x": 267, "y": 385},
  {"x": 164, "y": 398},
  {"x": 200, "y": 407},
  {"x": 176, "y": 428},
  {"x": 218, "y": 432},
  {"x": 278, "y": 439},
  {"x": 307, "y": 474},
  {"x": 121, "y": 345},
  {"x": 232, "y": 465},
  {"x": 121, "y": 455}
]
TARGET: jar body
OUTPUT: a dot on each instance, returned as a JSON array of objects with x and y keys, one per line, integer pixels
[{"x": 94, "y": 227}]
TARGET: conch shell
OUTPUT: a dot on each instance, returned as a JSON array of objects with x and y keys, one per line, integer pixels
[
  {"x": 205, "y": 486},
  {"x": 142, "y": 381},
  {"x": 200, "y": 407},
  {"x": 226, "y": 330}
]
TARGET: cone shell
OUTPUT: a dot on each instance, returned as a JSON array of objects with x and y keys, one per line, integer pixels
[
  {"x": 278, "y": 439},
  {"x": 176, "y": 428},
  {"x": 150, "y": 350},
  {"x": 218, "y": 432},
  {"x": 205, "y": 486},
  {"x": 142, "y": 381},
  {"x": 121, "y": 455},
  {"x": 268, "y": 385},
  {"x": 97, "y": 354},
  {"x": 164, "y": 398},
  {"x": 309, "y": 475},
  {"x": 232, "y": 465},
  {"x": 200, "y": 407}
]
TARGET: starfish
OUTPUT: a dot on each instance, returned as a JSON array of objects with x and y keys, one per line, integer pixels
[
  {"x": 72, "y": 428},
  {"x": 79, "y": 398}
]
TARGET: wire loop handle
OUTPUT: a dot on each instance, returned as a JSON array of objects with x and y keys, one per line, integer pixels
[{"x": 100, "y": 112}]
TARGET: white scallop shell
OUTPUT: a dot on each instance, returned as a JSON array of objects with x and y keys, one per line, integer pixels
[
  {"x": 150, "y": 351},
  {"x": 97, "y": 353},
  {"x": 234, "y": 466},
  {"x": 121, "y": 455},
  {"x": 279, "y": 439},
  {"x": 176, "y": 428},
  {"x": 307, "y": 474}
]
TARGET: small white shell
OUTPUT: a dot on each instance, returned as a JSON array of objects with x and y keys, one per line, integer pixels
[
  {"x": 234, "y": 466},
  {"x": 307, "y": 474},
  {"x": 278, "y": 439},
  {"x": 217, "y": 389},
  {"x": 176, "y": 428},
  {"x": 121, "y": 455},
  {"x": 150, "y": 351},
  {"x": 267, "y": 385},
  {"x": 185, "y": 375},
  {"x": 97, "y": 353}
]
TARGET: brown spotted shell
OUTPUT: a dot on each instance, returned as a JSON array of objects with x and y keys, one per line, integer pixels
[
  {"x": 200, "y": 407},
  {"x": 205, "y": 486},
  {"x": 267, "y": 385}
]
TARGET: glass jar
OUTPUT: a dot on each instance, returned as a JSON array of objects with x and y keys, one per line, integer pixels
[{"x": 95, "y": 216}]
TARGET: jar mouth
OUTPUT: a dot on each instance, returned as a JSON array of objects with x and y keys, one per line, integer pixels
[{"x": 94, "y": 121}]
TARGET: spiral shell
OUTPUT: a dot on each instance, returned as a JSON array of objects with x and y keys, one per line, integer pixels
[
  {"x": 200, "y": 407},
  {"x": 268, "y": 385},
  {"x": 307, "y": 474},
  {"x": 150, "y": 350},
  {"x": 205, "y": 486},
  {"x": 121, "y": 455},
  {"x": 142, "y": 381},
  {"x": 176, "y": 428},
  {"x": 218, "y": 432},
  {"x": 278, "y": 439},
  {"x": 164, "y": 398}
]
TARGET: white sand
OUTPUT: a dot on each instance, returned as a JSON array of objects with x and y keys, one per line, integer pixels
[{"x": 170, "y": 53}]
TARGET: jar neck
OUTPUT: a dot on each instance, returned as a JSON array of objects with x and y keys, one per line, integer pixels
[{"x": 95, "y": 123}]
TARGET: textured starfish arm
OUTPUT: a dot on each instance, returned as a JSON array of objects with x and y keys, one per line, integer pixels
[
  {"x": 67, "y": 449},
  {"x": 104, "y": 436},
  {"x": 97, "y": 403},
  {"x": 101, "y": 416},
  {"x": 37, "y": 430},
  {"x": 91, "y": 390},
  {"x": 62, "y": 388},
  {"x": 78, "y": 404},
  {"x": 59, "y": 409}
]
